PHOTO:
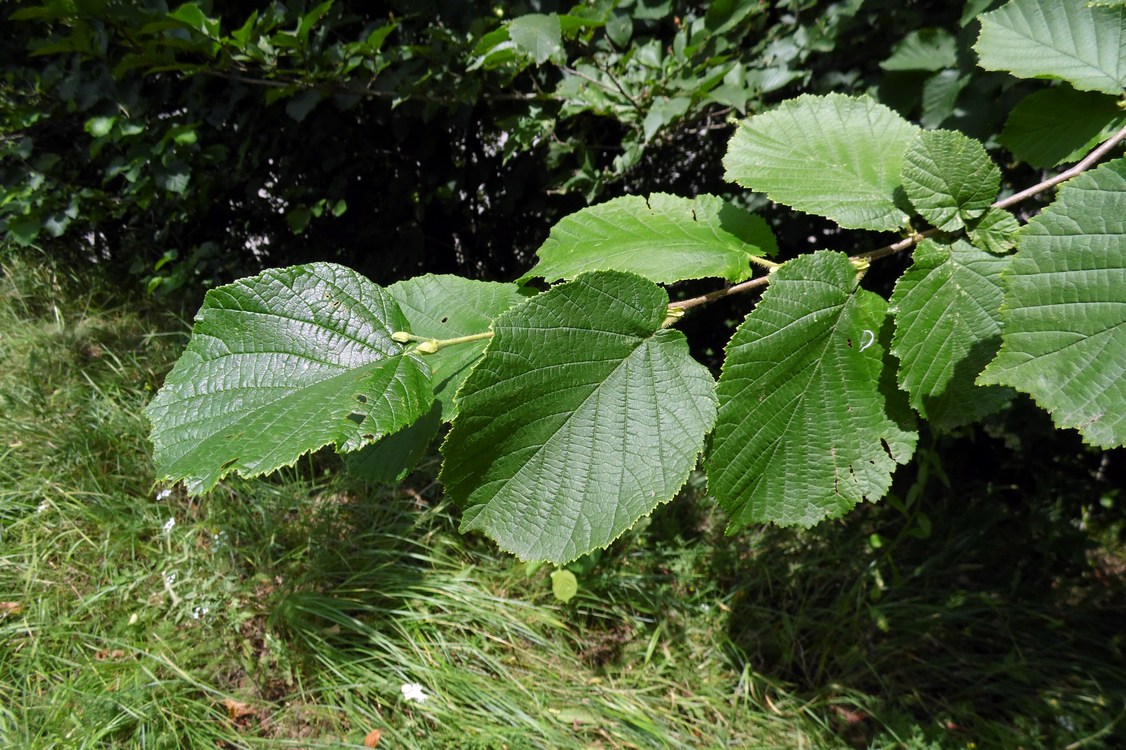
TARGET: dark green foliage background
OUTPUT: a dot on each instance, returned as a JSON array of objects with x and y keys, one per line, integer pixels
[{"x": 436, "y": 165}]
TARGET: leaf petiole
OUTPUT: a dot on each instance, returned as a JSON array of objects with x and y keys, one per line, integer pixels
[{"x": 428, "y": 345}]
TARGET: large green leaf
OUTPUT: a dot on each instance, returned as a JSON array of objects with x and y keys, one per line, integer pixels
[
  {"x": 282, "y": 364},
  {"x": 662, "y": 237},
  {"x": 1064, "y": 315},
  {"x": 835, "y": 156},
  {"x": 947, "y": 328},
  {"x": 583, "y": 416},
  {"x": 804, "y": 430},
  {"x": 1059, "y": 125},
  {"x": 437, "y": 307},
  {"x": 1063, "y": 39},
  {"x": 949, "y": 178}
]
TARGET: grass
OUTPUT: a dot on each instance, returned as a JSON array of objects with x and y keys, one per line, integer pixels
[{"x": 290, "y": 611}]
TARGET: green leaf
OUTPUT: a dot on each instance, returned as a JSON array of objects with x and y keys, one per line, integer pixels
[
  {"x": 100, "y": 127},
  {"x": 174, "y": 178},
  {"x": 564, "y": 585},
  {"x": 1060, "y": 125},
  {"x": 724, "y": 15},
  {"x": 947, "y": 328},
  {"x": 437, "y": 307},
  {"x": 310, "y": 20},
  {"x": 282, "y": 364},
  {"x": 924, "y": 49},
  {"x": 662, "y": 111},
  {"x": 191, "y": 15},
  {"x": 1063, "y": 39},
  {"x": 804, "y": 431},
  {"x": 940, "y": 96},
  {"x": 537, "y": 34},
  {"x": 662, "y": 237},
  {"x": 447, "y": 307},
  {"x": 835, "y": 156},
  {"x": 393, "y": 457},
  {"x": 1064, "y": 315},
  {"x": 949, "y": 178},
  {"x": 583, "y": 416},
  {"x": 996, "y": 231}
]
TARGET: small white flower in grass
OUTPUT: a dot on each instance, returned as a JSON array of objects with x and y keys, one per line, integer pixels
[
  {"x": 43, "y": 507},
  {"x": 412, "y": 691},
  {"x": 167, "y": 527},
  {"x": 164, "y": 494}
]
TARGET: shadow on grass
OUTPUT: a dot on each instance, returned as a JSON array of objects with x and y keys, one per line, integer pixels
[{"x": 980, "y": 611}]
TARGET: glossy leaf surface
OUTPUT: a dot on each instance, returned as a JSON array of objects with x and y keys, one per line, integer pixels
[{"x": 282, "y": 364}]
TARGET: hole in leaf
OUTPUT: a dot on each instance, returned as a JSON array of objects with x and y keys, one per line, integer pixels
[
  {"x": 445, "y": 319},
  {"x": 849, "y": 342},
  {"x": 368, "y": 436},
  {"x": 228, "y": 464},
  {"x": 357, "y": 417},
  {"x": 361, "y": 398}
]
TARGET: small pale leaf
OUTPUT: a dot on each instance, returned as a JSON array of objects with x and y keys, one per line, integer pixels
[
  {"x": 1062, "y": 39},
  {"x": 282, "y": 364},
  {"x": 583, "y": 416},
  {"x": 564, "y": 585},
  {"x": 835, "y": 156},
  {"x": 949, "y": 178},
  {"x": 947, "y": 328},
  {"x": 809, "y": 424},
  {"x": 663, "y": 238},
  {"x": 1064, "y": 314}
]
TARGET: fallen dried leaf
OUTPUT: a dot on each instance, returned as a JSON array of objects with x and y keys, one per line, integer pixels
[
  {"x": 237, "y": 709},
  {"x": 372, "y": 739},
  {"x": 10, "y": 608},
  {"x": 107, "y": 654}
]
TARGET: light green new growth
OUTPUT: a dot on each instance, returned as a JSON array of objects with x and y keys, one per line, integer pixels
[{"x": 835, "y": 156}]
